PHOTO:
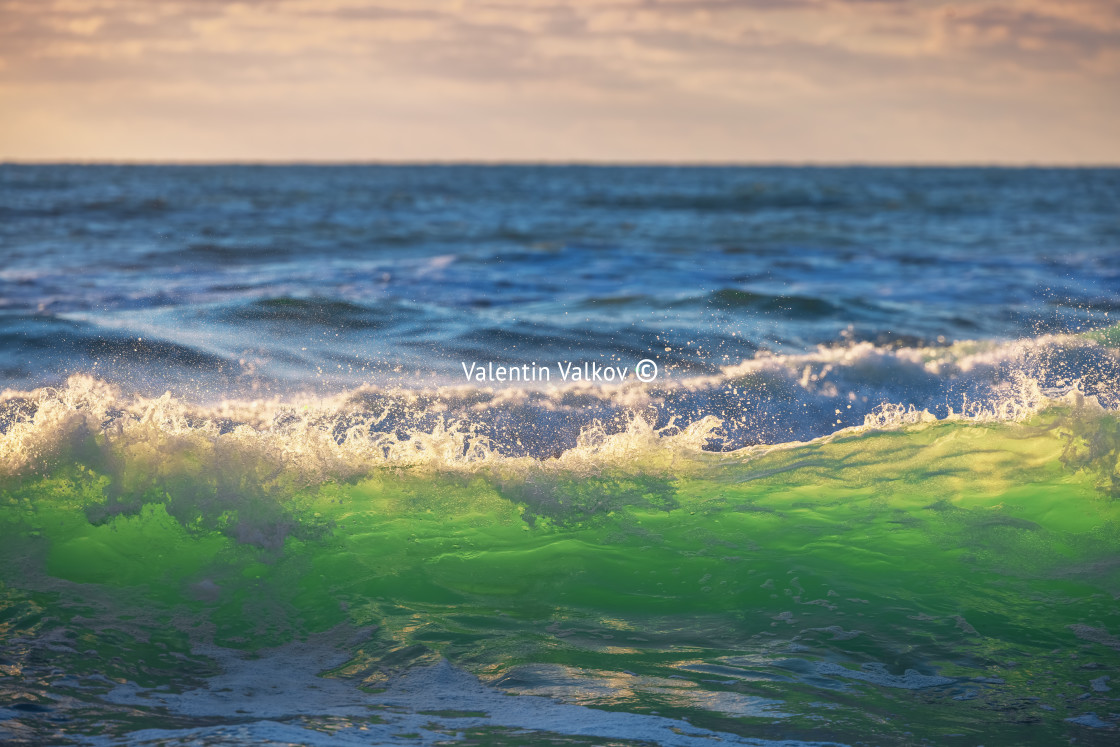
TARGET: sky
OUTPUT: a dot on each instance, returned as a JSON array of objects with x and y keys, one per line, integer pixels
[{"x": 713, "y": 81}]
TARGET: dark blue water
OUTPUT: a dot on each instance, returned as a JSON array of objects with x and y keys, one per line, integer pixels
[{"x": 231, "y": 278}]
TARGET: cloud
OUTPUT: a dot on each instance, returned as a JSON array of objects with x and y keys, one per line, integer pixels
[
  {"x": 1047, "y": 37},
  {"x": 751, "y": 76}
]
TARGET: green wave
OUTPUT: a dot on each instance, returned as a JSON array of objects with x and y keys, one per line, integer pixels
[{"x": 939, "y": 579}]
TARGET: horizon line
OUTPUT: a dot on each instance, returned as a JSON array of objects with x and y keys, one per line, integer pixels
[{"x": 572, "y": 163}]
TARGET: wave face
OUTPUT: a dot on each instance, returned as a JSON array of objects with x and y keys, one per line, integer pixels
[
  {"x": 247, "y": 495},
  {"x": 650, "y": 585}
]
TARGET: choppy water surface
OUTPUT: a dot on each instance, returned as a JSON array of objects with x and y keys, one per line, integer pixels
[
  {"x": 283, "y": 277},
  {"x": 247, "y": 495}
]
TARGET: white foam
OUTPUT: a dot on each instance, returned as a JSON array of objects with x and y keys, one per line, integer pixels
[{"x": 780, "y": 400}]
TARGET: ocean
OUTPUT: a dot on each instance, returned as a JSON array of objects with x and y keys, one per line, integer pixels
[{"x": 573, "y": 455}]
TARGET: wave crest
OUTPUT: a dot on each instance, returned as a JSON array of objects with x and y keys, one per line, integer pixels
[{"x": 767, "y": 400}]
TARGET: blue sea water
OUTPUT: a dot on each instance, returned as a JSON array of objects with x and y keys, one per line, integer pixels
[{"x": 290, "y": 277}]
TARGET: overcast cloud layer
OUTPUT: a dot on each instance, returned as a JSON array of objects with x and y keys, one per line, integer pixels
[{"x": 1005, "y": 81}]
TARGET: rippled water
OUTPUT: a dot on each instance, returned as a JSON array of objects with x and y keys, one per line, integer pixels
[{"x": 287, "y": 277}]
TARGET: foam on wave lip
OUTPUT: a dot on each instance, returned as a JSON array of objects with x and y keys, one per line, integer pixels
[{"x": 794, "y": 397}]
